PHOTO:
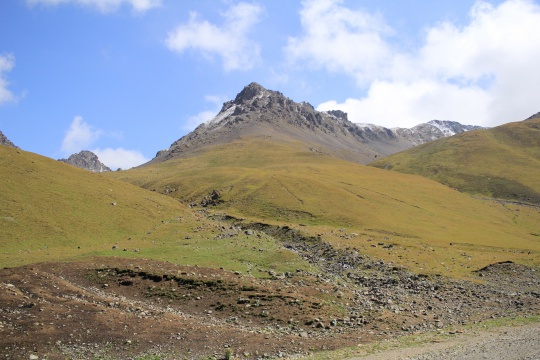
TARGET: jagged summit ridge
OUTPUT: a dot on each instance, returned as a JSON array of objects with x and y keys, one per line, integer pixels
[
  {"x": 86, "y": 160},
  {"x": 255, "y": 99},
  {"x": 257, "y": 111},
  {"x": 250, "y": 92}
]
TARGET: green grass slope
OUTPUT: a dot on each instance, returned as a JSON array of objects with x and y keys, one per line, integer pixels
[
  {"x": 53, "y": 211},
  {"x": 408, "y": 219},
  {"x": 503, "y": 162}
]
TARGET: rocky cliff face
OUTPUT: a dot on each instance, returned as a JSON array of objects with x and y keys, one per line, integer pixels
[
  {"x": 5, "y": 141},
  {"x": 86, "y": 160},
  {"x": 257, "y": 111}
]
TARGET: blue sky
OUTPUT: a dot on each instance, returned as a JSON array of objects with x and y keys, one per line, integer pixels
[{"x": 126, "y": 78}]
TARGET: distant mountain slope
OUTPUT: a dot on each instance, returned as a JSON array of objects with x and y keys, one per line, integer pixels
[
  {"x": 86, "y": 160},
  {"x": 502, "y": 162},
  {"x": 51, "y": 211},
  {"x": 5, "y": 141},
  {"x": 257, "y": 111},
  {"x": 433, "y": 130}
]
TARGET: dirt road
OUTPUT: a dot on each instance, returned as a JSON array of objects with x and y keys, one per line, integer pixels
[{"x": 506, "y": 343}]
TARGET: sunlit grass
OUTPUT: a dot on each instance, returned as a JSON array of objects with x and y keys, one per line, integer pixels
[
  {"x": 52, "y": 211},
  {"x": 432, "y": 228},
  {"x": 502, "y": 162}
]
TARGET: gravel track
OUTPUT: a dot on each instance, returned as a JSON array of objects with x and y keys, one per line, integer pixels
[{"x": 505, "y": 343}]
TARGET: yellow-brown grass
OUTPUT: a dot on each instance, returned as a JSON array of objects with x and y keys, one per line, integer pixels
[
  {"x": 431, "y": 228},
  {"x": 53, "y": 211},
  {"x": 503, "y": 162}
]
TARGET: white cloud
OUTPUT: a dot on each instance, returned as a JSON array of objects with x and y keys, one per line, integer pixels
[
  {"x": 105, "y": 6},
  {"x": 80, "y": 136},
  {"x": 340, "y": 39},
  {"x": 196, "y": 120},
  {"x": 482, "y": 73},
  {"x": 397, "y": 104},
  {"x": 230, "y": 41},
  {"x": 120, "y": 158},
  {"x": 204, "y": 116},
  {"x": 7, "y": 62}
]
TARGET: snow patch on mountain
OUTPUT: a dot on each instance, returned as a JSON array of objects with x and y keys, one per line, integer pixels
[
  {"x": 221, "y": 116},
  {"x": 448, "y": 128},
  {"x": 371, "y": 127}
]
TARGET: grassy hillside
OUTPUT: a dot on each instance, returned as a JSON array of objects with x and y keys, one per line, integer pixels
[
  {"x": 407, "y": 219},
  {"x": 503, "y": 162},
  {"x": 51, "y": 211}
]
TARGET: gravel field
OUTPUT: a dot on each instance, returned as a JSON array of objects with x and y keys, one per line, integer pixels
[{"x": 506, "y": 343}]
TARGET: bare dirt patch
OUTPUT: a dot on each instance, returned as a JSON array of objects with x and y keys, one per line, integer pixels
[
  {"x": 121, "y": 308},
  {"x": 126, "y": 308}
]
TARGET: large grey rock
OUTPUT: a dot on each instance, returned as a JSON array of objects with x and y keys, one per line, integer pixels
[{"x": 86, "y": 160}]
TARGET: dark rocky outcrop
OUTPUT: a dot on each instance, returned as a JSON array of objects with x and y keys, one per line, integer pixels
[
  {"x": 86, "y": 160},
  {"x": 6, "y": 142},
  {"x": 537, "y": 115},
  {"x": 339, "y": 114}
]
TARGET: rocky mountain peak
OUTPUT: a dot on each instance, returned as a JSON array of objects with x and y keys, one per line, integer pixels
[
  {"x": 249, "y": 92},
  {"x": 258, "y": 112},
  {"x": 257, "y": 104},
  {"x": 86, "y": 160},
  {"x": 5, "y": 141}
]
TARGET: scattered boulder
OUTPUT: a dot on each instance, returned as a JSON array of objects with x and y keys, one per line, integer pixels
[{"x": 213, "y": 199}]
